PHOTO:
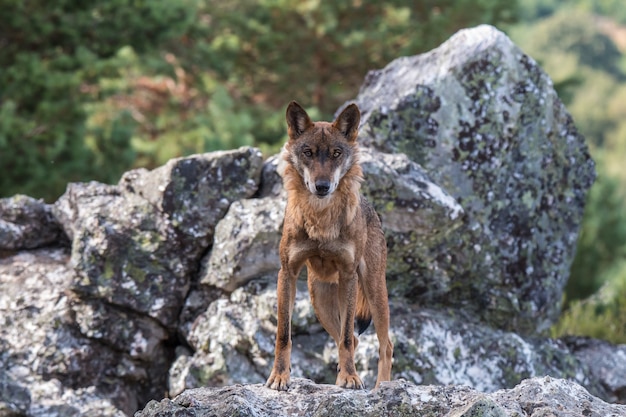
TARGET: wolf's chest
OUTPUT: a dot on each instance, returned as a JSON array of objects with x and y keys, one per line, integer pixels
[{"x": 322, "y": 229}]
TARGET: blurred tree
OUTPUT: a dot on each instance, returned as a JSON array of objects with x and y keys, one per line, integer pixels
[
  {"x": 602, "y": 239},
  {"x": 615, "y": 139},
  {"x": 90, "y": 88},
  {"x": 571, "y": 35},
  {"x": 273, "y": 51},
  {"x": 531, "y": 10},
  {"x": 51, "y": 55},
  {"x": 256, "y": 56}
]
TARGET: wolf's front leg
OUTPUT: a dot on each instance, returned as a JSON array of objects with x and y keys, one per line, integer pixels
[
  {"x": 279, "y": 378},
  {"x": 347, "y": 376}
]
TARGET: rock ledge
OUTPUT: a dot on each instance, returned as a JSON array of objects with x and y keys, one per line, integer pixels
[{"x": 532, "y": 397}]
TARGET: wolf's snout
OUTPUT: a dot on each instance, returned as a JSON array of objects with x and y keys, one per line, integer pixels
[{"x": 322, "y": 187}]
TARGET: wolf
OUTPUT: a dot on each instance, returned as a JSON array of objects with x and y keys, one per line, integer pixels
[{"x": 336, "y": 233}]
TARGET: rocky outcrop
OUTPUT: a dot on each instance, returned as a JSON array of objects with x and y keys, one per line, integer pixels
[
  {"x": 246, "y": 241},
  {"x": 233, "y": 342},
  {"x": 91, "y": 329},
  {"x": 47, "y": 367},
  {"x": 482, "y": 119},
  {"x": 165, "y": 282},
  {"x": 136, "y": 245},
  {"x": 533, "y": 398}
]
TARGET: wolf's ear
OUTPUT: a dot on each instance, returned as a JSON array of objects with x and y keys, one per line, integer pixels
[
  {"x": 297, "y": 120},
  {"x": 348, "y": 122}
]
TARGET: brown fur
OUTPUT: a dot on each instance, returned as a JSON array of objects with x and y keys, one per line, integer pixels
[{"x": 332, "y": 230}]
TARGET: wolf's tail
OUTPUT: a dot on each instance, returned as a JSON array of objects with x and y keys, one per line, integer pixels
[{"x": 363, "y": 315}]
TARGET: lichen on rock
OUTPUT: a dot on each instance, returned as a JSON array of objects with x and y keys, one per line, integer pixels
[{"x": 484, "y": 122}]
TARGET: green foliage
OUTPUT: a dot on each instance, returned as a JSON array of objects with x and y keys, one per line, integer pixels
[
  {"x": 89, "y": 89},
  {"x": 602, "y": 315},
  {"x": 531, "y": 10},
  {"x": 602, "y": 239},
  {"x": 218, "y": 126},
  {"x": 50, "y": 54},
  {"x": 273, "y": 51},
  {"x": 568, "y": 42},
  {"x": 266, "y": 53}
]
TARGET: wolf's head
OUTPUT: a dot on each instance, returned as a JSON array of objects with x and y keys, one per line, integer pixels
[{"x": 322, "y": 152}]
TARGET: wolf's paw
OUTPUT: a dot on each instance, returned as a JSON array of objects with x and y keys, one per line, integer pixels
[
  {"x": 346, "y": 380},
  {"x": 279, "y": 381}
]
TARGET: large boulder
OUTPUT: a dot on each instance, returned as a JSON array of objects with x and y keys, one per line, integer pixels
[
  {"x": 135, "y": 245},
  {"x": 90, "y": 330},
  {"x": 485, "y": 123},
  {"x": 536, "y": 397},
  {"x": 124, "y": 252},
  {"x": 195, "y": 192},
  {"x": 416, "y": 213}
]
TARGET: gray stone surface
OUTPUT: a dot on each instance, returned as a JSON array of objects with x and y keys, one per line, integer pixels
[
  {"x": 27, "y": 223},
  {"x": 47, "y": 368},
  {"x": 194, "y": 192},
  {"x": 124, "y": 251},
  {"x": 245, "y": 244},
  {"x": 233, "y": 342},
  {"x": 485, "y": 123},
  {"x": 135, "y": 245},
  {"x": 537, "y": 397},
  {"x": 606, "y": 364},
  {"x": 417, "y": 215}
]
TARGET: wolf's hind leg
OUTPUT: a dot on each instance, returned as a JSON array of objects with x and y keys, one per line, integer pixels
[{"x": 376, "y": 292}]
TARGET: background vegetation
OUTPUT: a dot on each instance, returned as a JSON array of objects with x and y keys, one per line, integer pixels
[
  {"x": 91, "y": 89},
  {"x": 582, "y": 45}
]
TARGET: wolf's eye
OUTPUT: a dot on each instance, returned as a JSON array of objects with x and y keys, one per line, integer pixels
[
  {"x": 308, "y": 153},
  {"x": 336, "y": 153}
]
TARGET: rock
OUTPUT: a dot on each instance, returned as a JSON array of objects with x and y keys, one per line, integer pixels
[
  {"x": 271, "y": 181},
  {"x": 195, "y": 192},
  {"x": 124, "y": 251},
  {"x": 137, "y": 335},
  {"x": 407, "y": 200},
  {"x": 606, "y": 364},
  {"x": 115, "y": 304},
  {"x": 416, "y": 214},
  {"x": 246, "y": 243},
  {"x": 47, "y": 368},
  {"x": 27, "y": 223},
  {"x": 548, "y": 396},
  {"x": 136, "y": 244},
  {"x": 233, "y": 340},
  {"x": 450, "y": 347},
  {"x": 533, "y": 397},
  {"x": 484, "y": 122}
]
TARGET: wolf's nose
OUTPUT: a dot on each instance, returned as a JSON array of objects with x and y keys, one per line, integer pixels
[{"x": 322, "y": 187}]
